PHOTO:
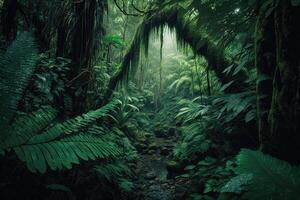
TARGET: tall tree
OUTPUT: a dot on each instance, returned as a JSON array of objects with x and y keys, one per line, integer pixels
[
  {"x": 279, "y": 109},
  {"x": 8, "y": 19}
]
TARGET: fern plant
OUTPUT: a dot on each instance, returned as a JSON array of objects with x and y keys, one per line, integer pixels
[
  {"x": 193, "y": 143},
  {"x": 17, "y": 65},
  {"x": 265, "y": 177},
  {"x": 115, "y": 173},
  {"x": 39, "y": 139},
  {"x": 236, "y": 106},
  {"x": 61, "y": 145}
]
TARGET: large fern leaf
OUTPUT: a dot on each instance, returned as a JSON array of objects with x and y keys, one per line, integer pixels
[
  {"x": 63, "y": 144},
  {"x": 63, "y": 153},
  {"x": 272, "y": 178},
  {"x": 26, "y": 126},
  {"x": 74, "y": 125},
  {"x": 17, "y": 65},
  {"x": 28, "y": 129}
]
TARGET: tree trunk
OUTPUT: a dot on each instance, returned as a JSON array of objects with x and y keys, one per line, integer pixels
[
  {"x": 193, "y": 82},
  {"x": 279, "y": 102},
  {"x": 284, "y": 117},
  {"x": 8, "y": 19},
  {"x": 82, "y": 48},
  {"x": 198, "y": 78},
  {"x": 61, "y": 41},
  {"x": 208, "y": 82},
  {"x": 265, "y": 61}
]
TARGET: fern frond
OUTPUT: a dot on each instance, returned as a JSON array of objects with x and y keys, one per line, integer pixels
[
  {"x": 272, "y": 178},
  {"x": 26, "y": 126},
  {"x": 237, "y": 184},
  {"x": 17, "y": 65},
  {"x": 75, "y": 125},
  {"x": 63, "y": 153},
  {"x": 63, "y": 144}
]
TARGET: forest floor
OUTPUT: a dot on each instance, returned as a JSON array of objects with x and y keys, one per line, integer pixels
[{"x": 155, "y": 178}]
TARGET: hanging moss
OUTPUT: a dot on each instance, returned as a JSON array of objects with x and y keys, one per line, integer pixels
[{"x": 187, "y": 34}]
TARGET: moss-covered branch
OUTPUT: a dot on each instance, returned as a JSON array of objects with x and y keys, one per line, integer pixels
[{"x": 187, "y": 33}]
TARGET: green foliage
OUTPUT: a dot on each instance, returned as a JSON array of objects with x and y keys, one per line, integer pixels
[
  {"x": 39, "y": 140},
  {"x": 295, "y": 2},
  {"x": 26, "y": 126},
  {"x": 215, "y": 172},
  {"x": 123, "y": 114},
  {"x": 126, "y": 185},
  {"x": 178, "y": 17},
  {"x": 113, "y": 40},
  {"x": 17, "y": 65},
  {"x": 236, "y": 106},
  {"x": 192, "y": 110},
  {"x": 120, "y": 171},
  {"x": 237, "y": 184},
  {"x": 113, "y": 171},
  {"x": 63, "y": 144},
  {"x": 180, "y": 83},
  {"x": 48, "y": 83},
  {"x": 192, "y": 145},
  {"x": 207, "y": 121},
  {"x": 128, "y": 115},
  {"x": 267, "y": 177},
  {"x": 63, "y": 153},
  {"x": 116, "y": 173}
]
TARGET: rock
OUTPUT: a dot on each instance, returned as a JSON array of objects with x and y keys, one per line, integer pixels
[{"x": 150, "y": 176}]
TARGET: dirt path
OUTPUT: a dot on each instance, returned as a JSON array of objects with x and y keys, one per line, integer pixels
[{"x": 152, "y": 181}]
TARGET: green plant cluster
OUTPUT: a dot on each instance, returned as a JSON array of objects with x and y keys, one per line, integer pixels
[{"x": 45, "y": 142}]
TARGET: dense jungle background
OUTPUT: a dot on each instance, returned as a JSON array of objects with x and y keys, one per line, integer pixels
[{"x": 150, "y": 99}]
